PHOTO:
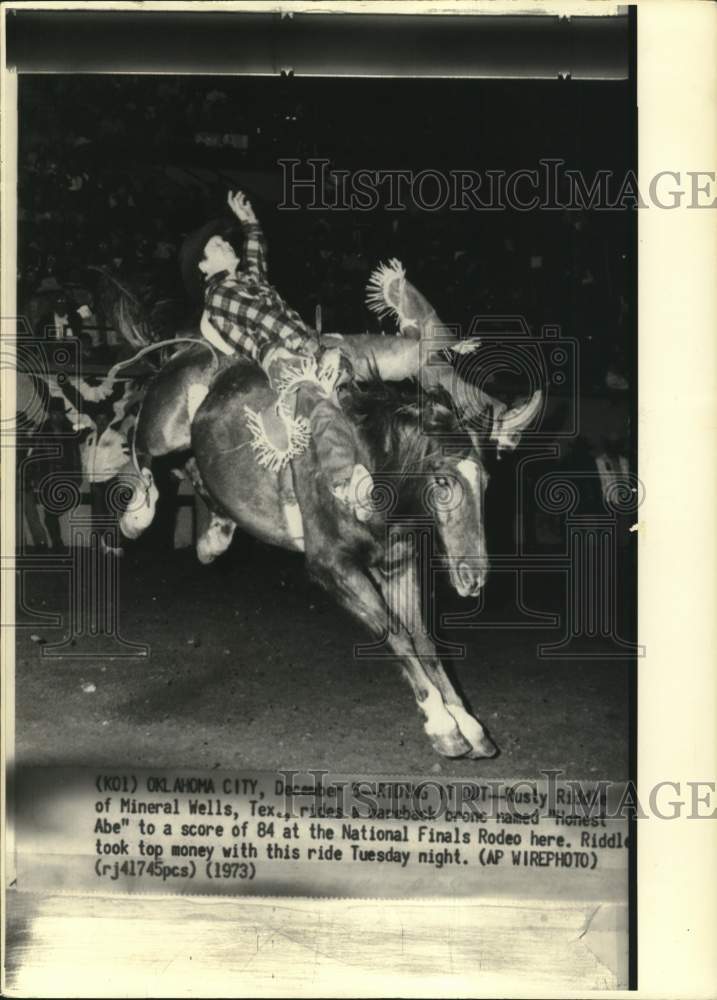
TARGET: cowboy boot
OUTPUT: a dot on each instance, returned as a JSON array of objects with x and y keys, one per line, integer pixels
[
  {"x": 355, "y": 493},
  {"x": 349, "y": 481}
]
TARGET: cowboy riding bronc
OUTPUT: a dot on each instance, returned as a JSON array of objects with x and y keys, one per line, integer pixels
[{"x": 245, "y": 315}]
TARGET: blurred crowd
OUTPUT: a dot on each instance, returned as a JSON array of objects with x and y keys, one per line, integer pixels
[{"x": 104, "y": 184}]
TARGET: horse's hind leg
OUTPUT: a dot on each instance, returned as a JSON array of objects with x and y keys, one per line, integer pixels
[
  {"x": 142, "y": 500},
  {"x": 357, "y": 593},
  {"x": 217, "y": 537}
]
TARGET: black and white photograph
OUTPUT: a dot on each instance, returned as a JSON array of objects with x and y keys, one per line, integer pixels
[{"x": 322, "y": 548}]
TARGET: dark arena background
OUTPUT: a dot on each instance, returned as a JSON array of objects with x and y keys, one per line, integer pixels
[{"x": 134, "y": 652}]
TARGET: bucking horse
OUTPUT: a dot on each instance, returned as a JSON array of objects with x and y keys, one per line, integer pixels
[{"x": 419, "y": 429}]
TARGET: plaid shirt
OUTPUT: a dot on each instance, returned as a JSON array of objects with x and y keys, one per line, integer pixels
[{"x": 249, "y": 312}]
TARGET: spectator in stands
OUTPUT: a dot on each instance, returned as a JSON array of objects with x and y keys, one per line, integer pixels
[
  {"x": 61, "y": 320},
  {"x": 53, "y": 466},
  {"x": 26, "y": 512}
]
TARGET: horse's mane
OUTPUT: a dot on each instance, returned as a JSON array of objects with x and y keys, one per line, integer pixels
[{"x": 400, "y": 421}]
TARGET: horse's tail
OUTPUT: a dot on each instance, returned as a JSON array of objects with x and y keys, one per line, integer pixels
[
  {"x": 133, "y": 453},
  {"x": 123, "y": 308},
  {"x": 108, "y": 382}
]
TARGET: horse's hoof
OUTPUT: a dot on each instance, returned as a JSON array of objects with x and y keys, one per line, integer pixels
[
  {"x": 140, "y": 512},
  {"x": 205, "y": 554},
  {"x": 479, "y": 742},
  {"x": 452, "y": 744},
  {"x": 486, "y": 748},
  {"x": 215, "y": 540},
  {"x": 132, "y": 529}
]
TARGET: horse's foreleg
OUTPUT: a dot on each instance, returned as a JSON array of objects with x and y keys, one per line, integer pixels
[
  {"x": 401, "y": 592},
  {"x": 357, "y": 593}
]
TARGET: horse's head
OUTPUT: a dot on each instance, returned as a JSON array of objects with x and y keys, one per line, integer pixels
[
  {"x": 457, "y": 476},
  {"x": 445, "y": 468},
  {"x": 432, "y": 466}
]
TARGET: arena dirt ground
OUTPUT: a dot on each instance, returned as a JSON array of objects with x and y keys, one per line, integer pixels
[{"x": 251, "y": 666}]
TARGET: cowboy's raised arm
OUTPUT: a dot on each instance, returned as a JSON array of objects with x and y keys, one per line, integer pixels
[{"x": 254, "y": 242}]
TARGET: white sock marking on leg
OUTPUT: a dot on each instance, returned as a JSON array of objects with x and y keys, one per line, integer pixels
[
  {"x": 468, "y": 725},
  {"x": 439, "y": 721}
]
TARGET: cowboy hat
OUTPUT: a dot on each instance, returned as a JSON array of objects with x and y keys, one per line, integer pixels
[{"x": 191, "y": 251}]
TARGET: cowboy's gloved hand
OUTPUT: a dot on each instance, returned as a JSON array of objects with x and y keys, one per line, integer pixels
[
  {"x": 310, "y": 347},
  {"x": 274, "y": 354},
  {"x": 241, "y": 207}
]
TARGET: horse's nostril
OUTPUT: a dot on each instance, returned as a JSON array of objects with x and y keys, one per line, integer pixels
[
  {"x": 471, "y": 578},
  {"x": 466, "y": 575}
]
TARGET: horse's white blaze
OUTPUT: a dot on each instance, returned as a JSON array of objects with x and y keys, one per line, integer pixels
[
  {"x": 196, "y": 394},
  {"x": 470, "y": 472}
]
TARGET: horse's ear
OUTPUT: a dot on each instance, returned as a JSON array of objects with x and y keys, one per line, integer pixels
[{"x": 508, "y": 425}]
